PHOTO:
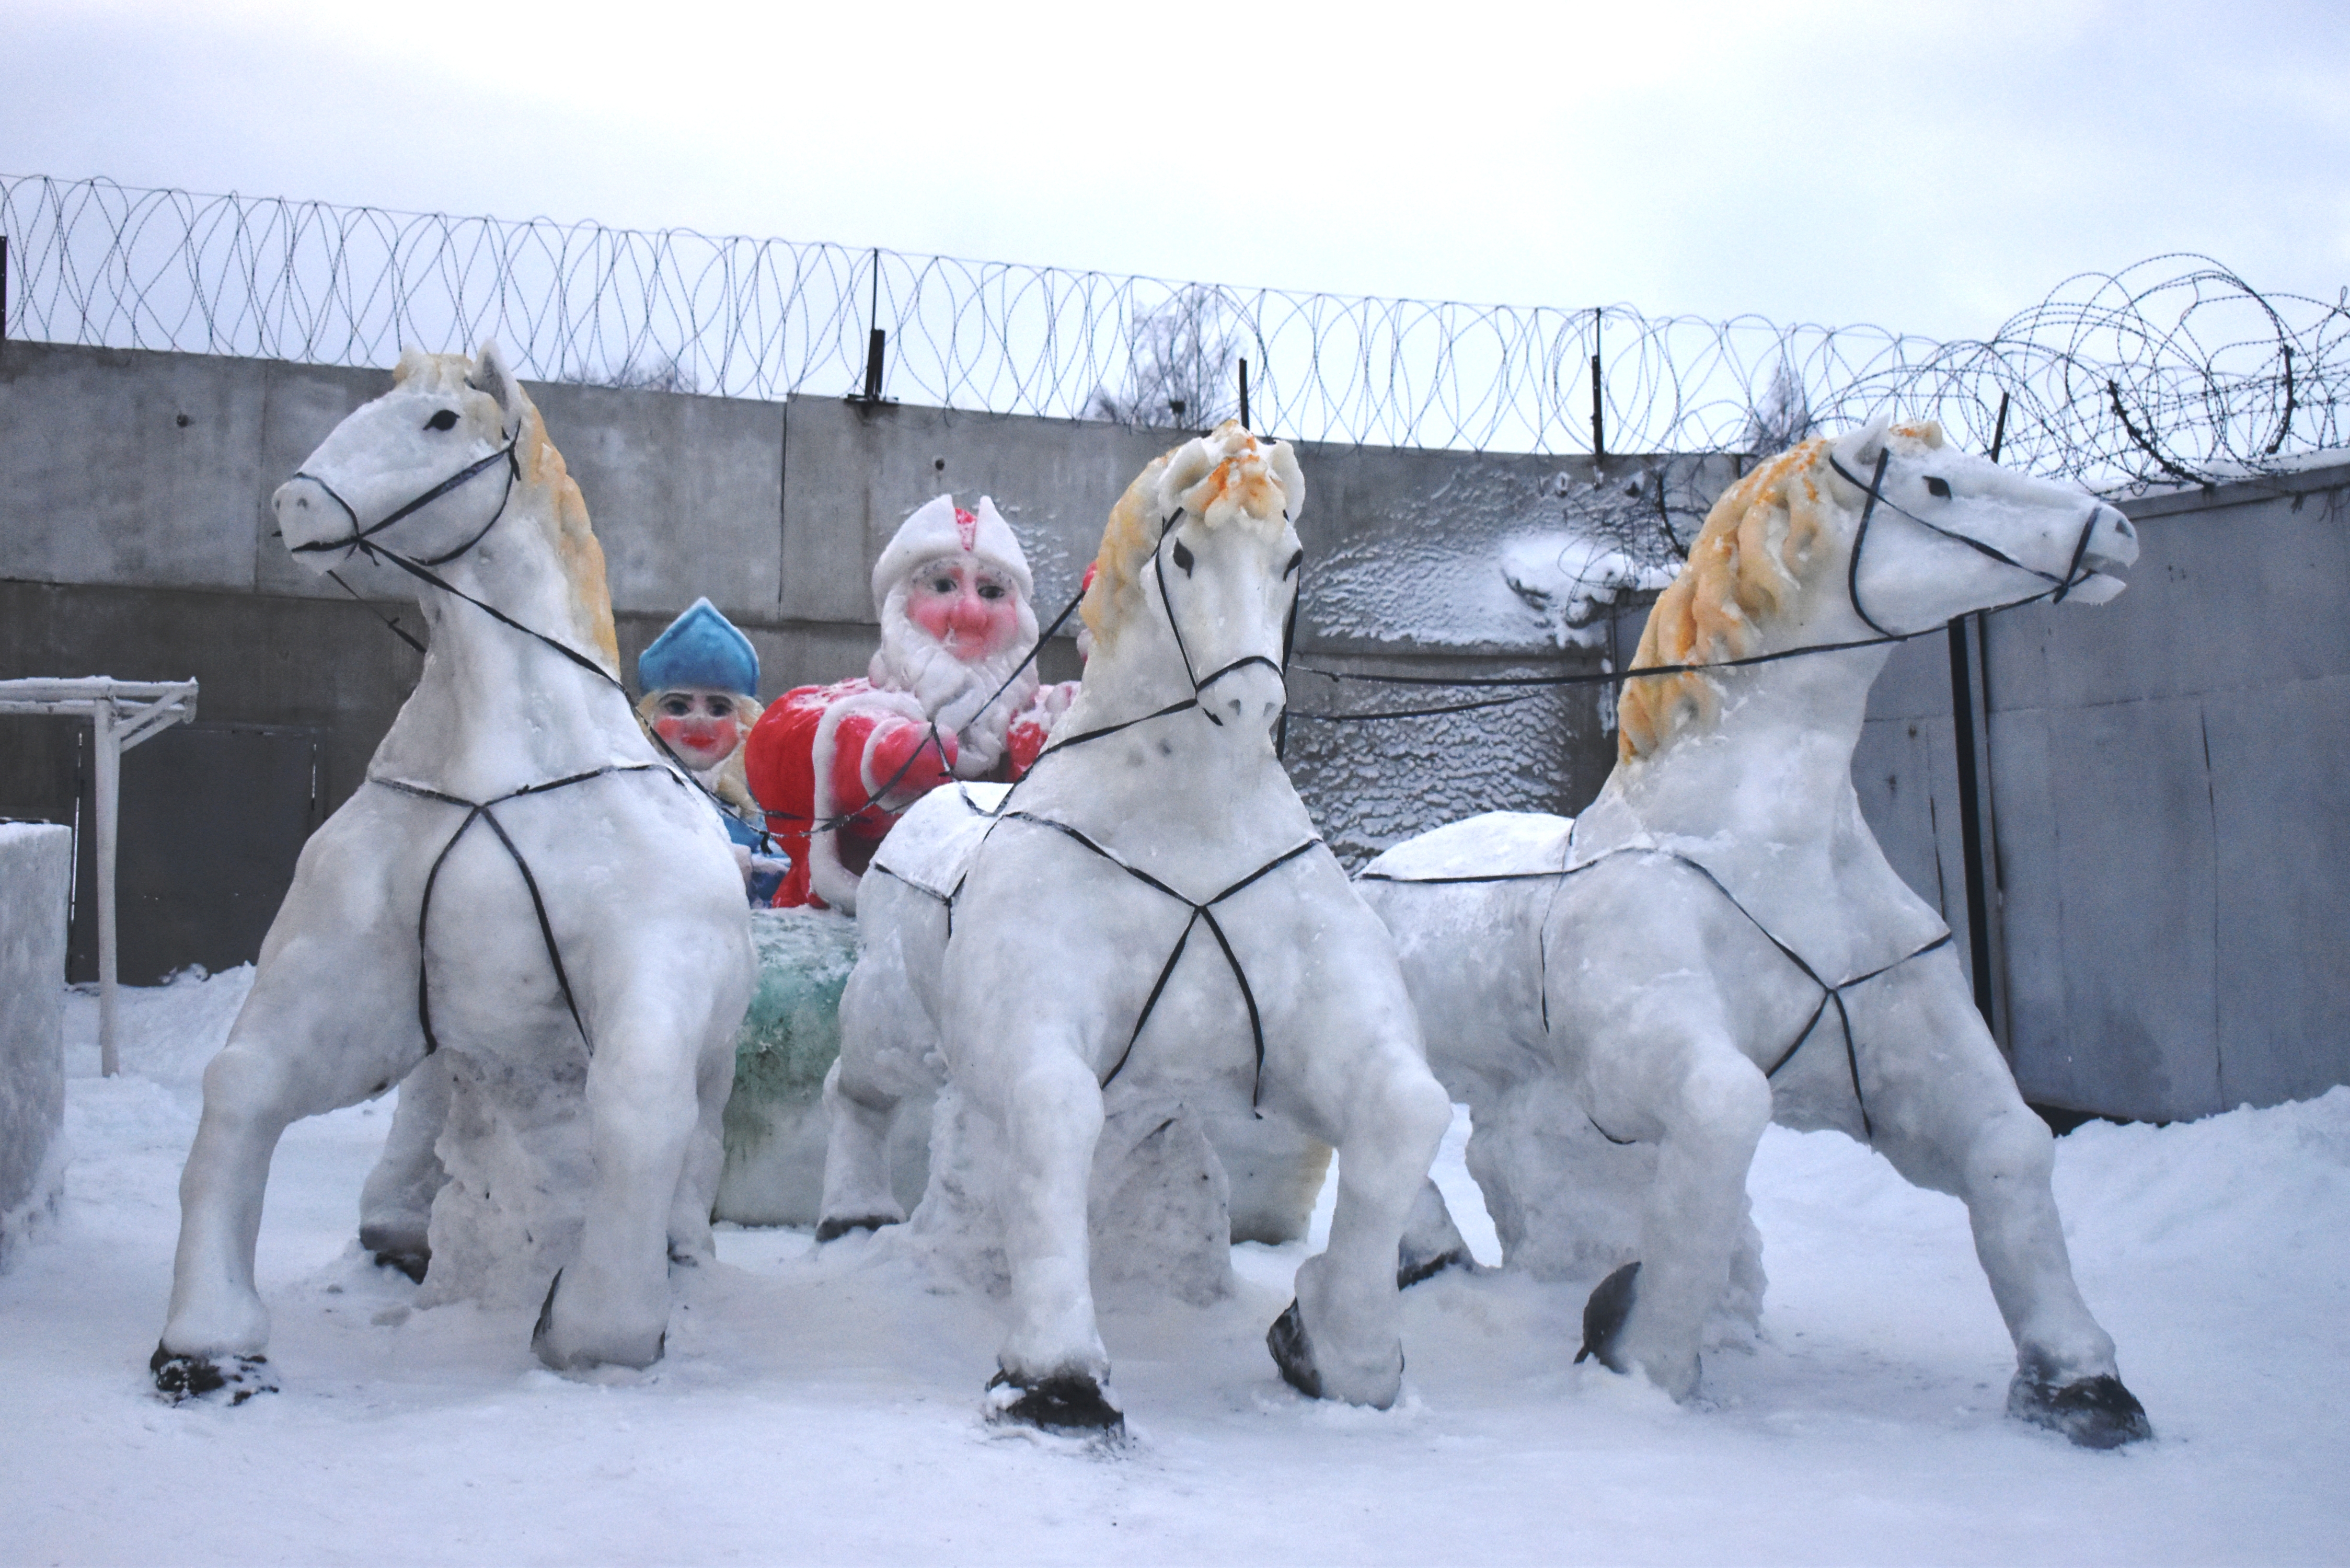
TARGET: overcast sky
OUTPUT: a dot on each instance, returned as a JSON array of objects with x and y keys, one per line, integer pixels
[{"x": 1929, "y": 168}]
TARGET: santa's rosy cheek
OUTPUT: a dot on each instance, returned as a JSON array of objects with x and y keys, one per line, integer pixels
[
  {"x": 1003, "y": 624},
  {"x": 934, "y": 613}
]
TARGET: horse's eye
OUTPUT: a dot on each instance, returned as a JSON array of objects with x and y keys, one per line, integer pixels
[
  {"x": 446, "y": 420},
  {"x": 1183, "y": 559},
  {"x": 1295, "y": 562},
  {"x": 1939, "y": 487}
]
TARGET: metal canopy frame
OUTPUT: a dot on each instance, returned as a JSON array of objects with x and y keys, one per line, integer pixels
[{"x": 121, "y": 714}]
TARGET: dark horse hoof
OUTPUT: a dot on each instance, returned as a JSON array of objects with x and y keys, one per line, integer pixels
[
  {"x": 393, "y": 1248},
  {"x": 1070, "y": 1404},
  {"x": 1286, "y": 1340},
  {"x": 2095, "y": 1412},
  {"x": 833, "y": 1229},
  {"x": 545, "y": 1324},
  {"x": 413, "y": 1265},
  {"x": 180, "y": 1379},
  {"x": 1604, "y": 1316},
  {"x": 1410, "y": 1270}
]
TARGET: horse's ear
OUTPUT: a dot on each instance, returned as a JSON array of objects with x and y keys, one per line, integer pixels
[
  {"x": 1857, "y": 450},
  {"x": 491, "y": 375}
]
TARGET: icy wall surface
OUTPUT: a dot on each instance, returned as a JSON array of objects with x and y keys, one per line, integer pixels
[
  {"x": 1472, "y": 568},
  {"x": 35, "y": 869}
]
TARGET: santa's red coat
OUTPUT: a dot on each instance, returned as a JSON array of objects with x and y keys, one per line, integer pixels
[{"x": 811, "y": 761}]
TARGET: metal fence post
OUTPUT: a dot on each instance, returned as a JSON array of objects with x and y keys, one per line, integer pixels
[
  {"x": 1598, "y": 408},
  {"x": 106, "y": 750}
]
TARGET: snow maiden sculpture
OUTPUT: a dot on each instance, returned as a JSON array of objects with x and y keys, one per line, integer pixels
[
  {"x": 1156, "y": 892},
  {"x": 521, "y": 886},
  {"x": 1718, "y": 941}
]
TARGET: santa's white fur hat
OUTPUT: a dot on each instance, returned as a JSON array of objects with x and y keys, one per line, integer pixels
[{"x": 938, "y": 531}]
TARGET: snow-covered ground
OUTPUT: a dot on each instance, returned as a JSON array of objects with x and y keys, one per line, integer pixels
[{"x": 823, "y": 1406}]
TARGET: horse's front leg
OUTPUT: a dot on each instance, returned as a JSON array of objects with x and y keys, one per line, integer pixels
[
  {"x": 324, "y": 1027},
  {"x": 651, "y": 1085},
  {"x": 1665, "y": 1069},
  {"x": 1054, "y": 1372},
  {"x": 1946, "y": 1113},
  {"x": 1364, "y": 1078}
]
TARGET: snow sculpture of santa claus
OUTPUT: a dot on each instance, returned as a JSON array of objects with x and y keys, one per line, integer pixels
[
  {"x": 701, "y": 684},
  {"x": 950, "y": 693}
]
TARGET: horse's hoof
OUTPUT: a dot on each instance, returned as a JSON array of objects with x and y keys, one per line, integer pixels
[
  {"x": 1070, "y": 1403},
  {"x": 545, "y": 1324},
  {"x": 1410, "y": 1270},
  {"x": 413, "y": 1265},
  {"x": 1286, "y": 1340},
  {"x": 1604, "y": 1316},
  {"x": 833, "y": 1229},
  {"x": 2095, "y": 1412},
  {"x": 180, "y": 1379}
]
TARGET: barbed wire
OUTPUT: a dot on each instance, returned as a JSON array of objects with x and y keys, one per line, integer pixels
[{"x": 2171, "y": 370}]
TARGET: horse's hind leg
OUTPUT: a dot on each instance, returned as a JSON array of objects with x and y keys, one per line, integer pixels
[
  {"x": 1433, "y": 1242},
  {"x": 886, "y": 1041},
  {"x": 1950, "y": 1118},
  {"x": 395, "y": 1204},
  {"x": 690, "y": 1237},
  {"x": 1708, "y": 1107}
]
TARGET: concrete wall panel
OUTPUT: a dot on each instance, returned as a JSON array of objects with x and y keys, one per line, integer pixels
[
  {"x": 127, "y": 467},
  {"x": 2280, "y": 777},
  {"x": 855, "y": 472},
  {"x": 686, "y": 494}
]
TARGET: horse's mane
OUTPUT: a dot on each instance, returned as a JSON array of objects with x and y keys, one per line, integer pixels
[
  {"x": 1756, "y": 550},
  {"x": 1225, "y": 476},
  {"x": 565, "y": 518}
]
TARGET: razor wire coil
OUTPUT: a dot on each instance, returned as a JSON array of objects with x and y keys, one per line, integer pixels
[{"x": 2171, "y": 370}]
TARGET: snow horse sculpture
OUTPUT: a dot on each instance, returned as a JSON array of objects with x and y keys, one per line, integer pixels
[
  {"x": 1719, "y": 942},
  {"x": 519, "y": 885},
  {"x": 1180, "y": 935}
]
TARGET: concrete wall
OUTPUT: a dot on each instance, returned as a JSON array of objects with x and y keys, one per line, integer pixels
[{"x": 35, "y": 862}]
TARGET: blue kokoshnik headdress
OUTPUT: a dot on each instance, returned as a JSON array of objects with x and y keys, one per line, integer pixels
[{"x": 702, "y": 648}]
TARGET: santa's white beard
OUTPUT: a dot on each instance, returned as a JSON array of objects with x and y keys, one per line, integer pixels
[{"x": 912, "y": 660}]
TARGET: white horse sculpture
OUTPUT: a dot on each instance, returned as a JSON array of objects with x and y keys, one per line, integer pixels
[
  {"x": 521, "y": 885},
  {"x": 1718, "y": 941},
  {"x": 1155, "y": 896}
]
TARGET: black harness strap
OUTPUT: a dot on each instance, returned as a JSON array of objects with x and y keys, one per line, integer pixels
[
  {"x": 359, "y": 537},
  {"x": 482, "y": 811},
  {"x": 1202, "y": 912}
]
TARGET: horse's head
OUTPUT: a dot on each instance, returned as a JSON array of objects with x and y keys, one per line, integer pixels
[
  {"x": 1881, "y": 532},
  {"x": 422, "y": 476},
  {"x": 1198, "y": 571},
  {"x": 1927, "y": 531}
]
